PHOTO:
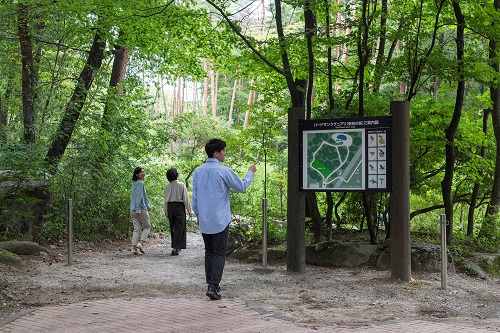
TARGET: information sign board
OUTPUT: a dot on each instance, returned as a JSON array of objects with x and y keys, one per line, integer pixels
[{"x": 346, "y": 154}]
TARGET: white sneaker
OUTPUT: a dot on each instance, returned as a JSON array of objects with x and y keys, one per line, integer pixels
[
  {"x": 140, "y": 248},
  {"x": 135, "y": 251}
]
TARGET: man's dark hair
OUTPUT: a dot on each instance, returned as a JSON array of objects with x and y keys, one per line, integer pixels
[
  {"x": 214, "y": 145},
  {"x": 172, "y": 174}
]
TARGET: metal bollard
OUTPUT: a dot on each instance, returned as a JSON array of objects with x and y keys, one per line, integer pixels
[
  {"x": 70, "y": 231},
  {"x": 264, "y": 232},
  {"x": 444, "y": 255}
]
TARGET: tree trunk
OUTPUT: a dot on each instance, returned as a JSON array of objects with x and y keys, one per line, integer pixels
[
  {"x": 75, "y": 104},
  {"x": 450, "y": 149},
  {"x": 416, "y": 66},
  {"x": 338, "y": 219},
  {"x": 233, "y": 100},
  {"x": 490, "y": 224},
  {"x": 118, "y": 72},
  {"x": 214, "y": 78},
  {"x": 251, "y": 95},
  {"x": 144, "y": 92},
  {"x": 112, "y": 107},
  {"x": 369, "y": 218},
  {"x": 331, "y": 100},
  {"x": 310, "y": 29},
  {"x": 477, "y": 185},
  {"x": 164, "y": 98},
  {"x": 379, "y": 63},
  {"x": 27, "y": 74},
  {"x": 4, "y": 110},
  {"x": 363, "y": 55},
  {"x": 312, "y": 203},
  {"x": 329, "y": 214},
  {"x": 205, "y": 87}
]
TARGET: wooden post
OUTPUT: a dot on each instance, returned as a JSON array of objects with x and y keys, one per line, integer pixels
[
  {"x": 296, "y": 250},
  {"x": 400, "y": 196}
]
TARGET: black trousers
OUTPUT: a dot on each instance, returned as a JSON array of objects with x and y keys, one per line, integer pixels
[
  {"x": 215, "y": 256},
  {"x": 177, "y": 219}
]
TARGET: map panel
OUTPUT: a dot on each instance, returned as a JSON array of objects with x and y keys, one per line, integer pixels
[
  {"x": 333, "y": 159},
  {"x": 346, "y": 154}
]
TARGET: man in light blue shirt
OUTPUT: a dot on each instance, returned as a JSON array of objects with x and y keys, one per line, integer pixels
[{"x": 212, "y": 183}]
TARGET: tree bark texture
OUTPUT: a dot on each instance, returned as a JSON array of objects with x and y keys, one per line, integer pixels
[
  {"x": 118, "y": 72},
  {"x": 490, "y": 224},
  {"x": 379, "y": 63},
  {"x": 450, "y": 149},
  {"x": 477, "y": 184},
  {"x": 27, "y": 77},
  {"x": 310, "y": 27},
  {"x": 315, "y": 215}
]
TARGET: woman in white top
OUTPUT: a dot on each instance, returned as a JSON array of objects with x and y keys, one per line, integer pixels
[{"x": 175, "y": 204}]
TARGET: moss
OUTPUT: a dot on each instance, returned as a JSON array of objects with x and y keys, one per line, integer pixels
[
  {"x": 9, "y": 258},
  {"x": 472, "y": 269},
  {"x": 490, "y": 264}
]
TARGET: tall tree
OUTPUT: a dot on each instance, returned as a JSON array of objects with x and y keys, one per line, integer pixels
[
  {"x": 296, "y": 88},
  {"x": 75, "y": 104},
  {"x": 489, "y": 228},
  {"x": 446, "y": 184}
]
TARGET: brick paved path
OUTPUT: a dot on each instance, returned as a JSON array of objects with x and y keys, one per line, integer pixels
[{"x": 185, "y": 316}]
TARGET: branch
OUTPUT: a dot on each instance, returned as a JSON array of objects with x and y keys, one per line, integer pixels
[{"x": 245, "y": 40}]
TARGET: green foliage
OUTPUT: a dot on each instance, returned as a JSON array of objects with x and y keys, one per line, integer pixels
[{"x": 168, "y": 40}]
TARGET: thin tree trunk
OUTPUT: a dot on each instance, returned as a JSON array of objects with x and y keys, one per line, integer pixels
[
  {"x": 251, "y": 94},
  {"x": 233, "y": 100},
  {"x": 363, "y": 54},
  {"x": 144, "y": 92},
  {"x": 369, "y": 217},
  {"x": 417, "y": 66},
  {"x": 27, "y": 79},
  {"x": 174, "y": 101},
  {"x": 310, "y": 26},
  {"x": 490, "y": 223},
  {"x": 213, "y": 92},
  {"x": 164, "y": 98},
  {"x": 338, "y": 219},
  {"x": 179, "y": 98},
  {"x": 314, "y": 214},
  {"x": 331, "y": 101},
  {"x": 183, "y": 95},
  {"x": 4, "y": 110},
  {"x": 450, "y": 149},
  {"x": 329, "y": 214},
  {"x": 156, "y": 104},
  {"x": 477, "y": 184},
  {"x": 118, "y": 72},
  {"x": 205, "y": 87},
  {"x": 379, "y": 64}
]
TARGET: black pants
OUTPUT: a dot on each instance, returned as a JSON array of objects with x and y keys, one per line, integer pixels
[
  {"x": 215, "y": 256},
  {"x": 177, "y": 219}
]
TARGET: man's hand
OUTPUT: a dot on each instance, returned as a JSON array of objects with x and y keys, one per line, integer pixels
[{"x": 253, "y": 167}]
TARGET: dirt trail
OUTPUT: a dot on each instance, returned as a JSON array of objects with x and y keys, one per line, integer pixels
[{"x": 347, "y": 297}]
